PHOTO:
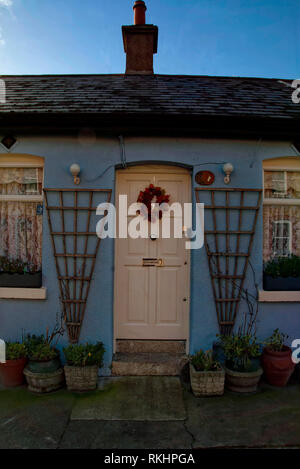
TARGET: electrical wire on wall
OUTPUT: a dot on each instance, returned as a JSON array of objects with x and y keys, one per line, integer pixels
[
  {"x": 209, "y": 162},
  {"x": 123, "y": 160},
  {"x": 123, "y": 153}
]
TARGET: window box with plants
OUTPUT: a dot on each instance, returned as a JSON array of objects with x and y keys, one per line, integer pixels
[
  {"x": 11, "y": 372},
  {"x": 277, "y": 359},
  {"x": 18, "y": 274},
  {"x": 282, "y": 274},
  {"x": 83, "y": 362},
  {"x": 207, "y": 375},
  {"x": 44, "y": 372}
]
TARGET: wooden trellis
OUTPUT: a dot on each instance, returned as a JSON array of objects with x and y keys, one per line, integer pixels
[
  {"x": 228, "y": 264},
  {"x": 74, "y": 265}
]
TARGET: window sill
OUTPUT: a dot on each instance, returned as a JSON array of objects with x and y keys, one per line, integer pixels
[
  {"x": 278, "y": 296},
  {"x": 23, "y": 293}
]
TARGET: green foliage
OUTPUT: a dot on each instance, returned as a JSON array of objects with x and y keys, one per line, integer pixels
[
  {"x": 84, "y": 355},
  {"x": 43, "y": 353},
  {"x": 203, "y": 361},
  {"x": 239, "y": 350},
  {"x": 283, "y": 267},
  {"x": 32, "y": 341},
  {"x": 276, "y": 340},
  {"x": 15, "y": 350},
  {"x": 38, "y": 349},
  {"x": 16, "y": 266}
]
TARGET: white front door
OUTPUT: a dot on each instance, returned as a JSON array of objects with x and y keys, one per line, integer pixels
[{"x": 152, "y": 302}]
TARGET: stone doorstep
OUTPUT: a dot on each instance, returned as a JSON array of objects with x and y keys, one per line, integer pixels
[
  {"x": 150, "y": 346},
  {"x": 148, "y": 364}
]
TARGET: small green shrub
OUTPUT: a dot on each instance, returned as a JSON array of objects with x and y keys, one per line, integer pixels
[
  {"x": 32, "y": 341},
  {"x": 240, "y": 350},
  {"x": 276, "y": 340},
  {"x": 38, "y": 348},
  {"x": 203, "y": 361},
  {"x": 283, "y": 267},
  {"x": 15, "y": 350},
  {"x": 84, "y": 355},
  {"x": 43, "y": 353}
]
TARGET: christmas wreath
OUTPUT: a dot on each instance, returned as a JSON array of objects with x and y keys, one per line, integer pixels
[{"x": 146, "y": 197}]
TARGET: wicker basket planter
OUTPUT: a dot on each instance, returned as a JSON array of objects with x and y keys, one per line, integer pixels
[
  {"x": 243, "y": 382},
  {"x": 207, "y": 383},
  {"x": 44, "y": 382},
  {"x": 81, "y": 378}
]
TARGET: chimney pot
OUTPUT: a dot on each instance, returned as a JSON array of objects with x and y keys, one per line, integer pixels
[{"x": 139, "y": 9}]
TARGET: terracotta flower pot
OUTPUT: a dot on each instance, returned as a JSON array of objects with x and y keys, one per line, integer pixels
[
  {"x": 278, "y": 366},
  {"x": 11, "y": 372}
]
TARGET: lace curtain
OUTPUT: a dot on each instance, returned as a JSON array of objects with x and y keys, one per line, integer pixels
[
  {"x": 21, "y": 181},
  {"x": 281, "y": 230},
  {"x": 20, "y": 226},
  {"x": 281, "y": 221}
]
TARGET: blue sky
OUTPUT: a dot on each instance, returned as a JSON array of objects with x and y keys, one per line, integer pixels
[{"x": 258, "y": 38}]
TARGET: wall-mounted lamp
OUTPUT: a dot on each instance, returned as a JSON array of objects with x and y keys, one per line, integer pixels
[
  {"x": 75, "y": 171},
  {"x": 228, "y": 169}
]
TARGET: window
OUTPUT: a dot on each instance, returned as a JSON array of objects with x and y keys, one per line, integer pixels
[
  {"x": 281, "y": 212},
  {"x": 281, "y": 238},
  {"x": 21, "y": 200}
]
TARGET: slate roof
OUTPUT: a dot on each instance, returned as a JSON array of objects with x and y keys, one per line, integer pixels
[{"x": 158, "y": 95}]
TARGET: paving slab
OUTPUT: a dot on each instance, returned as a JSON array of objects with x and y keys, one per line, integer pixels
[
  {"x": 84, "y": 434},
  {"x": 270, "y": 418},
  {"x": 133, "y": 398},
  {"x": 29, "y": 421}
]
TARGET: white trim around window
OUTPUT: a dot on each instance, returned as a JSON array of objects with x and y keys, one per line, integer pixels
[
  {"x": 21, "y": 198},
  {"x": 278, "y": 296},
  {"x": 23, "y": 293}
]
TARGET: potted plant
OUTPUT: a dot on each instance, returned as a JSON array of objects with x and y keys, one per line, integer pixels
[
  {"x": 19, "y": 274},
  {"x": 83, "y": 361},
  {"x": 11, "y": 372},
  {"x": 44, "y": 372},
  {"x": 43, "y": 357},
  {"x": 207, "y": 375},
  {"x": 277, "y": 359},
  {"x": 242, "y": 372},
  {"x": 282, "y": 274}
]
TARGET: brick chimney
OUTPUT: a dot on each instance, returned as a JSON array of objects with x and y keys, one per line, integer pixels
[{"x": 140, "y": 42}]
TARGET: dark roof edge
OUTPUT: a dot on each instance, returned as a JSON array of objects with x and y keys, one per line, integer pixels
[
  {"x": 154, "y": 125},
  {"x": 91, "y": 75}
]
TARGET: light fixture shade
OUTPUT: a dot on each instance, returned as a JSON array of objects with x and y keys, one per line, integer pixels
[
  {"x": 75, "y": 169},
  {"x": 228, "y": 168}
]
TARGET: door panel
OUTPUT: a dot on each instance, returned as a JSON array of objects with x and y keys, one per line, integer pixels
[{"x": 149, "y": 300}]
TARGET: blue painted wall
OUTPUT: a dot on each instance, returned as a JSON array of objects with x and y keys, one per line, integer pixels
[{"x": 101, "y": 157}]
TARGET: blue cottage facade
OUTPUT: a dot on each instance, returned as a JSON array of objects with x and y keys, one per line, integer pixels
[{"x": 146, "y": 125}]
